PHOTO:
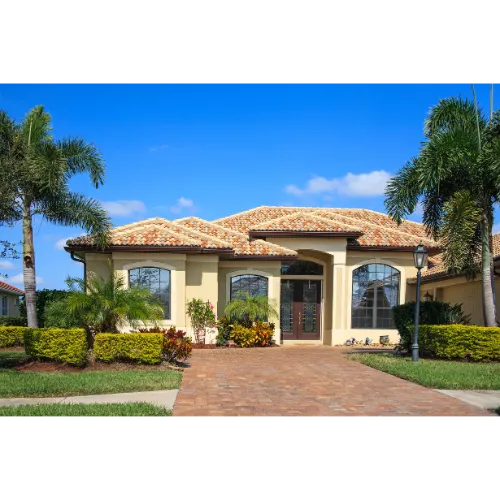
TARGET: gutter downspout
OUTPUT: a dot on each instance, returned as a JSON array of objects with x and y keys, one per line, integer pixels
[{"x": 82, "y": 261}]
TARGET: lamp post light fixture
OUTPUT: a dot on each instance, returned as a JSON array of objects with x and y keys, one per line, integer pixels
[{"x": 420, "y": 256}]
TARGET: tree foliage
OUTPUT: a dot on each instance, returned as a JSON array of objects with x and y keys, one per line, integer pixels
[{"x": 246, "y": 309}]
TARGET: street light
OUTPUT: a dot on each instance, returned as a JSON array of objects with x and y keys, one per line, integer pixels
[{"x": 420, "y": 258}]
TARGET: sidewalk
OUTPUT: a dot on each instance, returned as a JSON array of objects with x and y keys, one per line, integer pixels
[
  {"x": 159, "y": 398},
  {"x": 488, "y": 400}
]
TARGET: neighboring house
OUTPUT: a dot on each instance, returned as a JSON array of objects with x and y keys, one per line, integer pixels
[
  {"x": 438, "y": 284},
  {"x": 333, "y": 273},
  {"x": 9, "y": 299}
]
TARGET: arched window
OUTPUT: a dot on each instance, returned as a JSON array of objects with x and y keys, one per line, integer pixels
[
  {"x": 375, "y": 291},
  {"x": 253, "y": 284},
  {"x": 304, "y": 267},
  {"x": 157, "y": 281}
]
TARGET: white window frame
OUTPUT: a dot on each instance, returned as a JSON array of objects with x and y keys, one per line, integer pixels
[{"x": 173, "y": 284}]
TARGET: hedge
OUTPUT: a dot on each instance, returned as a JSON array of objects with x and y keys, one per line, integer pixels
[
  {"x": 139, "y": 347},
  {"x": 476, "y": 343},
  {"x": 57, "y": 344},
  {"x": 12, "y": 321},
  {"x": 11, "y": 336}
]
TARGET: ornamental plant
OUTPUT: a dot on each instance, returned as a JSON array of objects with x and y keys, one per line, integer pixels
[
  {"x": 258, "y": 335},
  {"x": 176, "y": 346},
  {"x": 246, "y": 309},
  {"x": 202, "y": 316}
]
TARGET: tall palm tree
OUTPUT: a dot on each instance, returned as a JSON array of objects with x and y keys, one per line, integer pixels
[
  {"x": 34, "y": 173},
  {"x": 103, "y": 304},
  {"x": 456, "y": 175}
]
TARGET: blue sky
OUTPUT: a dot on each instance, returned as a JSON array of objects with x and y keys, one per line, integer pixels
[{"x": 213, "y": 150}]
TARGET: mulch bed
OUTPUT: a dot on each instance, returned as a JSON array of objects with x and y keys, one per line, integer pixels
[{"x": 47, "y": 367}]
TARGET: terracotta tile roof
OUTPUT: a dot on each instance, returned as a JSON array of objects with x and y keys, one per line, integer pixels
[
  {"x": 156, "y": 232},
  {"x": 241, "y": 243},
  {"x": 379, "y": 235},
  {"x": 436, "y": 268},
  {"x": 305, "y": 222},
  {"x": 5, "y": 287},
  {"x": 379, "y": 229}
]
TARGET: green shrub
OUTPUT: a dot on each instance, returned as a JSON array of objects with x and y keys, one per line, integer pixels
[
  {"x": 11, "y": 336},
  {"x": 260, "y": 334},
  {"x": 431, "y": 313},
  {"x": 57, "y": 344},
  {"x": 476, "y": 343},
  {"x": 224, "y": 327},
  {"x": 12, "y": 321},
  {"x": 176, "y": 346},
  {"x": 43, "y": 299},
  {"x": 139, "y": 347}
]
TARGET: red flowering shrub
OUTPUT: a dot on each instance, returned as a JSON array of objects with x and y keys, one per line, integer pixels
[{"x": 176, "y": 347}]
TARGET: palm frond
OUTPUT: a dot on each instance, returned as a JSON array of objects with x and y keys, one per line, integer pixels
[
  {"x": 452, "y": 114},
  {"x": 82, "y": 157},
  {"x": 402, "y": 192}
]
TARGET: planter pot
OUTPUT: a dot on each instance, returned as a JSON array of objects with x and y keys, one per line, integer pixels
[{"x": 384, "y": 339}]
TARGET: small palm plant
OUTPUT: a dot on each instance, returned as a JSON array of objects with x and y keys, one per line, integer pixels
[
  {"x": 246, "y": 308},
  {"x": 102, "y": 305}
]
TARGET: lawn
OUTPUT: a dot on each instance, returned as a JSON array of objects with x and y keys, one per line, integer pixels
[
  {"x": 15, "y": 383},
  {"x": 435, "y": 373},
  {"x": 83, "y": 410}
]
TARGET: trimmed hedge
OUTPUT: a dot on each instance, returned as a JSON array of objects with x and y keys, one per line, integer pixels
[
  {"x": 476, "y": 343},
  {"x": 12, "y": 321},
  {"x": 57, "y": 344},
  {"x": 139, "y": 347},
  {"x": 11, "y": 336}
]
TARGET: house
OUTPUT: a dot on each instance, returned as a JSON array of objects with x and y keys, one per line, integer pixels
[
  {"x": 333, "y": 273},
  {"x": 438, "y": 284},
  {"x": 9, "y": 299}
]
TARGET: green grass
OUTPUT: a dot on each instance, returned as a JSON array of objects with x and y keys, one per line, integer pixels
[
  {"x": 83, "y": 410},
  {"x": 435, "y": 373},
  {"x": 36, "y": 384}
]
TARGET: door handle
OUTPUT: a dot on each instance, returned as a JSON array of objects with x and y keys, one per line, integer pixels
[{"x": 299, "y": 316}]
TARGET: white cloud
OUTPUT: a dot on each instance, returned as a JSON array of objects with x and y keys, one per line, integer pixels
[
  {"x": 18, "y": 280},
  {"x": 123, "y": 208},
  {"x": 370, "y": 184},
  {"x": 182, "y": 204},
  {"x": 155, "y": 149},
  {"x": 60, "y": 244},
  {"x": 5, "y": 264}
]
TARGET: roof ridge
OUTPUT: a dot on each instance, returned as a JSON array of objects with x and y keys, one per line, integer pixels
[
  {"x": 314, "y": 216},
  {"x": 151, "y": 220},
  {"x": 7, "y": 287},
  {"x": 376, "y": 212},
  {"x": 239, "y": 213},
  {"x": 388, "y": 228}
]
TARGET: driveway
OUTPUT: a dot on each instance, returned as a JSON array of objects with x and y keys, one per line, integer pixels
[{"x": 301, "y": 380}]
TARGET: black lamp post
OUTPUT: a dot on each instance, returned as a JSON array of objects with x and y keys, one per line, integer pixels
[{"x": 420, "y": 258}]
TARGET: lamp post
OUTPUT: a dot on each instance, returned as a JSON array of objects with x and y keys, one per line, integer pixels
[{"x": 420, "y": 259}]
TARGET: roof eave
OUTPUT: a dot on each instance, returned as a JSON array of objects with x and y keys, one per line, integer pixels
[
  {"x": 146, "y": 248},
  {"x": 304, "y": 234},
  {"x": 380, "y": 248}
]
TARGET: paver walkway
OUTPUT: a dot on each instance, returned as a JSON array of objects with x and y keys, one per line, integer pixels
[
  {"x": 301, "y": 380},
  {"x": 159, "y": 398}
]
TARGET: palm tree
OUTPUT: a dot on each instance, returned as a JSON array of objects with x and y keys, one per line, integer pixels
[
  {"x": 456, "y": 175},
  {"x": 103, "y": 305},
  {"x": 34, "y": 173},
  {"x": 247, "y": 308}
]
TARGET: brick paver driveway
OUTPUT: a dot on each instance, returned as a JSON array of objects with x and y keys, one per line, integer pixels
[{"x": 301, "y": 380}]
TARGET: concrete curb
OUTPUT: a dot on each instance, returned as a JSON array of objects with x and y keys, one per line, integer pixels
[
  {"x": 165, "y": 399},
  {"x": 488, "y": 400}
]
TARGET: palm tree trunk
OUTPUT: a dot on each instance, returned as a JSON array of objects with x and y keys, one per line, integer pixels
[
  {"x": 488, "y": 300},
  {"x": 492, "y": 261},
  {"x": 29, "y": 274}
]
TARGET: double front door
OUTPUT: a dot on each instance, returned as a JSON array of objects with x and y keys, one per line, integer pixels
[{"x": 300, "y": 309}]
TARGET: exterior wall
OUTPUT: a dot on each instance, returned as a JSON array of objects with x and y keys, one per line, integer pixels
[
  {"x": 460, "y": 291},
  {"x": 270, "y": 269},
  {"x": 403, "y": 262},
  {"x": 12, "y": 306}
]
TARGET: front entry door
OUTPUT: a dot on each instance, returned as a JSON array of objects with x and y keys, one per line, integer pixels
[{"x": 300, "y": 309}]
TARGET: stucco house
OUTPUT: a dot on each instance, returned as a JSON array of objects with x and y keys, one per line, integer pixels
[
  {"x": 9, "y": 299},
  {"x": 332, "y": 273}
]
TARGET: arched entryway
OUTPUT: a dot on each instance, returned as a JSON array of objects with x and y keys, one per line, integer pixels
[{"x": 300, "y": 301}]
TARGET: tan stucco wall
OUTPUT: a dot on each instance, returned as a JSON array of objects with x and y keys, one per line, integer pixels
[
  {"x": 270, "y": 269},
  {"x": 13, "y": 309},
  {"x": 460, "y": 291}
]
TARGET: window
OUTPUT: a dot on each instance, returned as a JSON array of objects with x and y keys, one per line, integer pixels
[
  {"x": 254, "y": 285},
  {"x": 304, "y": 267},
  {"x": 375, "y": 291},
  {"x": 157, "y": 281},
  {"x": 4, "y": 305}
]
